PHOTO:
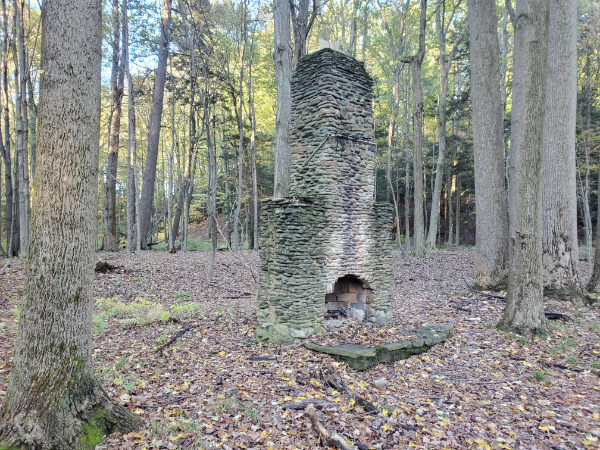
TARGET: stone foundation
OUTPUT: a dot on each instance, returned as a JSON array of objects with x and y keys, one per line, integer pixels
[{"x": 327, "y": 246}]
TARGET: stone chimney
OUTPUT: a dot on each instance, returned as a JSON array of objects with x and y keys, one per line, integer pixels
[{"x": 327, "y": 248}]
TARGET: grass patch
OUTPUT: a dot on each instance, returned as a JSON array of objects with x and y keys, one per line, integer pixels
[
  {"x": 539, "y": 376},
  {"x": 515, "y": 337},
  {"x": 194, "y": 244},
  {"x": 138, "y": 312}
]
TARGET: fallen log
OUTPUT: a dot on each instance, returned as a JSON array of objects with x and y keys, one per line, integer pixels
[
  {"x": 104, "y": 267},
  {"x": 263, "y": 358},
  {"x": 338, "y": 385},
  {"x": 327, "y": 437},
  {"x": 186, "y": 327}
]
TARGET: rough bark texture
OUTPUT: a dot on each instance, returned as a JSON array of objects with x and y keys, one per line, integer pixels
[
  {"x": 32, "y": 127},
  {"x": 559, "y": 189},
  {"x": 149, "y": 181},
  {"x": 53, "y": 400},
  {"x": 8, "y": 192},
  {"x": 132, "y": 197},
  {"x": 524, "y": 312},
  {"x": 22, "y": 150},
  {"x": 491, "y": 247},
  {"x": 253, "y": 158},
  {"x": 302, "y": 21},
  {"x": 241, "y": 125},
  {"x": 416, "y": 62},
  {"x": 282, "y": 54},
  {"x": 110, "y": 242},
  {"x": 11, "y": 238}
]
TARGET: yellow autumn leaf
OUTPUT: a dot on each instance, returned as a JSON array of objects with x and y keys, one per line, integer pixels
[
  {"x": 483, "y": 444},
  {"x": 174, "y": 438},
  {"x": 222, "y": 353}
]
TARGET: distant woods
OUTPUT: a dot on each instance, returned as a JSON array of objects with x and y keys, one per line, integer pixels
[{"x": 195, "y": 120}]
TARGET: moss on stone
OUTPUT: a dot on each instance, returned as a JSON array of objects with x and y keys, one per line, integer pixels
[{"x": 10, "y": 447}]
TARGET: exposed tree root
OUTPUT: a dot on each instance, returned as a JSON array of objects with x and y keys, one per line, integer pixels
[
  {"x": 78, "y": 423},
  {"x": 565, "y": 294}
]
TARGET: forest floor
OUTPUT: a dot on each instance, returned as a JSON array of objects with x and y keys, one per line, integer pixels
[{"x": 480, "y": 389}]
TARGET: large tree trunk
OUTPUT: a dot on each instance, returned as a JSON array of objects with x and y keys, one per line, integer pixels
[
  {"x": 302, "y": 21},
  {"x": 392, "y": 145},
  {"x": 449, "y": 193},
  {"x": 559, "y": 190},
  {"x": 110, "y": 242},
  {"x": 11, "y": 218},
  {"x": 2, "y": 252},
  {"x": 53, "y": 400},
  {"x": 212, "y": 177},
  {"x": 149, "y": 181},
  {"x": 22, "y": 150},
  {"x": 282, "y": 54},
  {"x": 132, "y": 197},
  {"x": 416, "y": 62},
  {"x": 253, "y": 154},
  {"x": 524, "y": 311},
  {"x": 185, "y": 185},
  {"x": 491, "y": 247},
  {"x": 32, "y": 126},
  {"x": 444, "y": 65},
  {"x": 8, "y": 192},
  {"x": 241, "y": 124}
]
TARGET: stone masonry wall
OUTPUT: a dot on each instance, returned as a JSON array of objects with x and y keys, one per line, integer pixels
[{"x": 329, "y": 227}]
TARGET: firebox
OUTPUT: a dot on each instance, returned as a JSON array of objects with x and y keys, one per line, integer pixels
[{"x": 327, "y": 246}]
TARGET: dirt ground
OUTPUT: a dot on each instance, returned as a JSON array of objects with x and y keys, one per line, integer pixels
[{"x": 482, "y": 389}]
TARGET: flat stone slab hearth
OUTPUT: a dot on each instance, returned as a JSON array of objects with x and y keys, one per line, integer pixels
[{"x": 361, "y": 357}]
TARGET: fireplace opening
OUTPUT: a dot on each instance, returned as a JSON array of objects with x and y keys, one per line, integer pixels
[{"x": 350, "y": 298}]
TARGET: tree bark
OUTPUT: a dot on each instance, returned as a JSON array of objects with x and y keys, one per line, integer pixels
[
  {"x": 22, "y": 150},
  {"x": 32, "y": 126},
  {"x": 524, "y": 311},
  {"x": 491, "y": 246},
  {"x": 241, "y": 124},
  {"x": 212, "y": 178},
  {"x": 457, "y": 230},
  {"x": 53, "y": 399},
  {"x": 302, "y": 22},
  {"x": 559, "y": 190},
  {"x": 170, "y": 169},
  {"x": 149, "y": 180},
  {"x": 110, "y": 241},
  {"x": 185, "y": 185},
  {"x": 444, "y": 66},
  {"x": 5, "y": 153},
  {"x": 450, "y": 191},
  {"x": 132, "y": 197},
  {"x": 416, "y": 62},
  {"x": 253, "y": 154},
  {"x": 11, "y": 186},
  {"x": 282, "y": 54}
]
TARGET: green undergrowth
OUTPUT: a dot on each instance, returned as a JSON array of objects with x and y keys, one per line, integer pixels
[
  {"x": 139, "y": 312},
  {"x": 193, "y": 244}
]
